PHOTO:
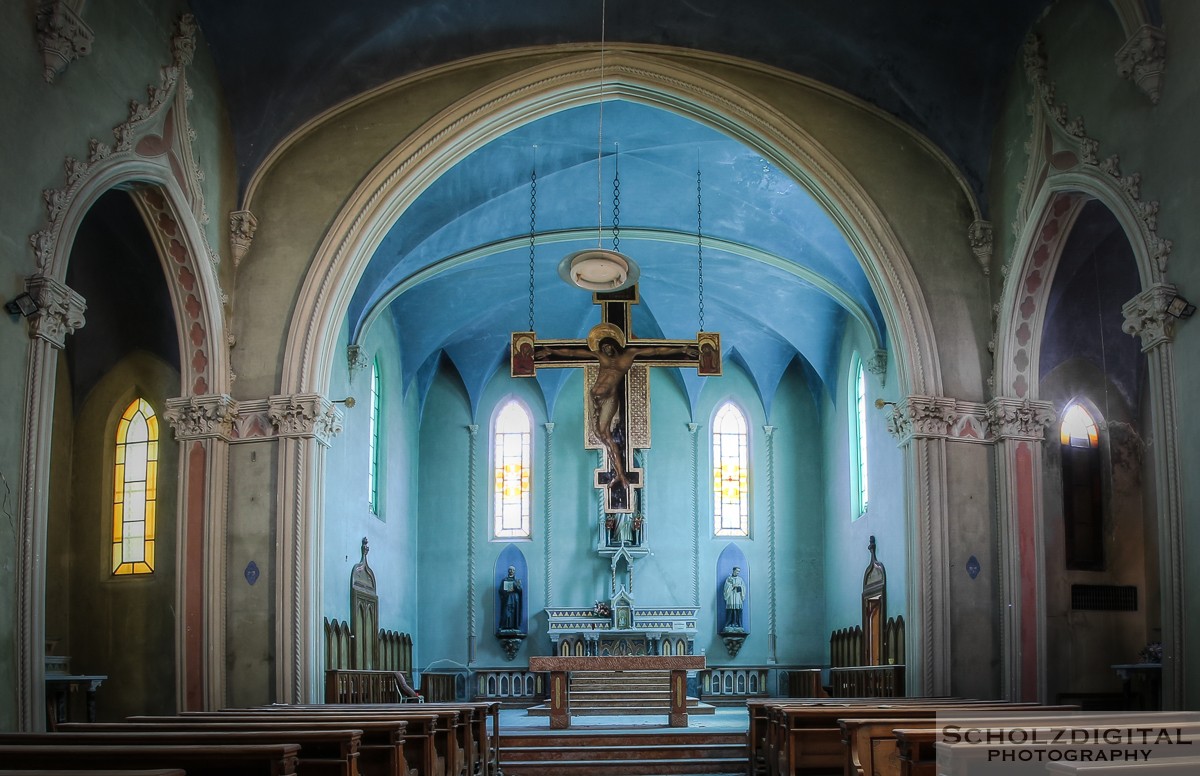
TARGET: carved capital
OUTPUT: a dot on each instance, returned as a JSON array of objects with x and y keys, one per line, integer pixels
[
  {"x": 1009, "y": 418},
  {"x": 62, "y": 37},
  {"x": 242, "y": 226},
  {"x": 1143, "y": 60},
  {"x": 357, "y": 360},
  {"x": 305, "y": 415},
  {"x": 202, "y": 417},
  {"x": 921, "y": 417},
  {"x": 1146, "y": 316},
  {"x": 60, "y": 310},
  {"x": 979, "y": 235}
]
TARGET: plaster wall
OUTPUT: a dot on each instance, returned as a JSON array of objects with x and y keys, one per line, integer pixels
[
  {"x": 847, "y": 535},
  {"x": 392, "y": 528},
  {"x": 681, "y": 568},
  {"x": 121, "y": 627}
]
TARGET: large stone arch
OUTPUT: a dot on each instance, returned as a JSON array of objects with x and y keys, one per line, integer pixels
[
  {"x": 388, "y": 189},
  {"x": 1053, "y": 206},
  {"x": 150, "y": 161}
]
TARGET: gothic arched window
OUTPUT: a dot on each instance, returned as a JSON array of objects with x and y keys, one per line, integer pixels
[
  {"x": 135, "y": 477},
  {"x": 859, "y": 479},
  {"x": 1083, "y": 512},
  {"x": 731, "y": 472},
  {"x": 512, "y": 455},
  {"x": 373, "y": 466}
]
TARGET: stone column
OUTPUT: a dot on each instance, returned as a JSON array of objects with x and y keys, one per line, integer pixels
[
  {"x": 1146, "y": 318},
  {"x": 203, "y": 426},
  {"x": 693, "y": 429},
  {"x": 769, "y": 431},
  {"x": 549, "y": 521},
  {"x": 921, "y": 425},
  {"x": 1018, "y": 426},
  {"x": 60, "y": 312},
  {"x": 305, "y": 424}
]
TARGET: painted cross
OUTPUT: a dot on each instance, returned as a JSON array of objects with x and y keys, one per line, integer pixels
[{"x": 616, "y": 378}]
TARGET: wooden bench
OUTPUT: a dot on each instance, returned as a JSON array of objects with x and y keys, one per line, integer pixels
[
  {"x": 966, "y": 758},
  {"x": 759, "y": 720},
  {"x": 807, "y": 739},
  {"x": 430, "y": 743},
  {"x": 198, "y": 760},
  {"x": 322, "y": 752},
  {"x": 94, "y": 772},
  {"x": 381, "y": 750},
  {"x": 481, "y": 750},
  {"x": 871, "y": 747}
]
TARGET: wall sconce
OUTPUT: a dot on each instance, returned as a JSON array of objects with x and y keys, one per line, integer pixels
[
  {"x": 348, "y": 401},
  {"x": 880, "y": 404},
  {"x": 25, "y": 305},
  {"x": 1178, "y": 306}
]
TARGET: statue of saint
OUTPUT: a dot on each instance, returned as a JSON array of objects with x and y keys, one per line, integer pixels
[
  {"x": 510, "y": 601},
  {"x": 735, "y": 595}
]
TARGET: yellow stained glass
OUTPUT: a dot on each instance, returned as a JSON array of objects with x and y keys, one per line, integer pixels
[{"x": 135, "y": 490}]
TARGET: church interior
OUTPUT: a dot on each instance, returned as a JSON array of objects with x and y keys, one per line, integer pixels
[{"x": 449, "y": 337}]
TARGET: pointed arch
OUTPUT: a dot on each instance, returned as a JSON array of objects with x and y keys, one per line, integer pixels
[{"x": 681, "y": 83}]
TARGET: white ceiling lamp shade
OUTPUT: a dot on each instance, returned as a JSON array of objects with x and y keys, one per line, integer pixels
[{"x": 598, "y": 269}]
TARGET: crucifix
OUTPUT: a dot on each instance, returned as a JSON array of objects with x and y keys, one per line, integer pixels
[{"x": 616, "y": 378}]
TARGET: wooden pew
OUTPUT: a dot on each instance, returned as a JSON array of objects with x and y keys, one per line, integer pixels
[
  {"x": 758, "y": 710},
  {"x": 871, "y": 747},
  {"x": 322, "y": 753},
  {"x": 915, "y": 748},
  {"x": 431, "y": 746},
  {"x": 95, "y": 772},
  {"x": 198, "y": 760},
  {"x": 381, "y": 750},
  {"x": 807, "y": 738},
  {"x": 962, "y": 759},
  {"x": 481, "y": 750}
]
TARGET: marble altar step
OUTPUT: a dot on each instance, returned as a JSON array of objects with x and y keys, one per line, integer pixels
[
  {"x": 607, "y": 754},
  {"x": 628, "y": 708}
]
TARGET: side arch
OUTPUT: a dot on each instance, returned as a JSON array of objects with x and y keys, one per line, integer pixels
[{"x": 196, "y": 300}]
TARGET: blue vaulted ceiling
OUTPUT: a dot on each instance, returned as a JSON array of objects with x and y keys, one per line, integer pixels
[{"x": 780, "y": 282}]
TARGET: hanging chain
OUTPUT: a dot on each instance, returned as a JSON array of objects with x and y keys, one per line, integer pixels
[
  {"x": 532, "y": 231},
  {"x": 616, "y": 227},
  {"x": 699, "y": 248}
]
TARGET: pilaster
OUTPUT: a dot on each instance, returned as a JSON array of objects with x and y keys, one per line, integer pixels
[
  {"x": 921, "y": 425},
  {"x": 305, "y": 425},
  {"x": 60, "y": 312},
  {"x": 769, "y": 436},
  {"x": 472, "y": 518},
  {"x": 548, "y": 490},
  {"x": 1019, "y": 428},
  {"x": 1146, "y": 318},
  {"x": 203, "y": 426}
]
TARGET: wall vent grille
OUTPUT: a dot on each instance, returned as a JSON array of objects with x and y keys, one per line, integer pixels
[{"x": 1104, "y": 598}]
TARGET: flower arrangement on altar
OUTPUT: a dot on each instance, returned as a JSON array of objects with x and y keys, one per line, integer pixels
[
  {"x": 1151, "y": 653},
  {"x": 601, "y": 609}
]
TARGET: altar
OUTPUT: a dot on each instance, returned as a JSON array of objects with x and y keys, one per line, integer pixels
[
  {"x": 621, "y": 629},
  {"x": 562, "y": 668}
]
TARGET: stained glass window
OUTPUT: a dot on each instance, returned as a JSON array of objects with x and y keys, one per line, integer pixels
[
  {"x": 511, "y": 458},
  {"x": 135, "y": 479},
  {"x": 859, "y": 479},
  {"x": 1083, "y": 499},
  {"x": 731, "y": 472},
  {"x": 373, "y": 468}
]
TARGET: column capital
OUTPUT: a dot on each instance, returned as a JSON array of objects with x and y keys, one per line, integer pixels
[
  {"x": 202, "y": 417},
  {"x": 1146, "y": 316},
  {"x": 1010, "y": 418},
  {"x": 60, "y": 310},
  {"x": 921, "y": 417},
  {"x": 305, "y": 416}
]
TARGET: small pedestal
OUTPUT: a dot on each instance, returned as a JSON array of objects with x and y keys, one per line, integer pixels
[
  {"x": 733, "y": 638},
  {"x": 510, "y": 640}
]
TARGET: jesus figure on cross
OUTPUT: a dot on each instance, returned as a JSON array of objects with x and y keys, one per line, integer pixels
[{"x": 604, "y": 342}]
